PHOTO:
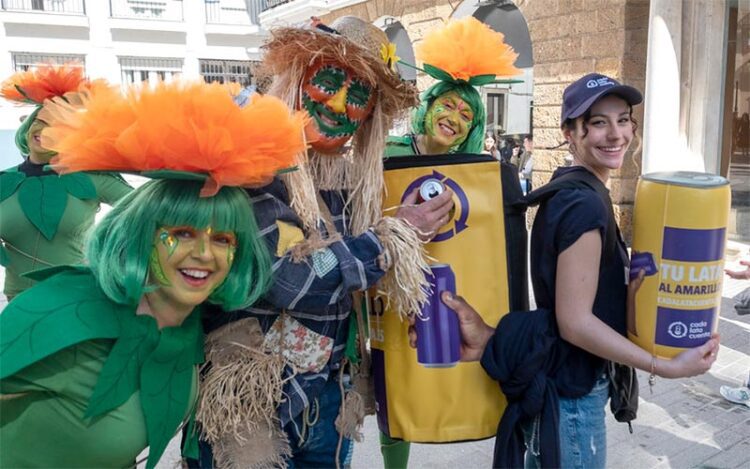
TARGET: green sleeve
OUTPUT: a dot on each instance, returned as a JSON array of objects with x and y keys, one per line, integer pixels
[
  {"x": 398, "y": 146},
  {"x": 110, "y": 188}
]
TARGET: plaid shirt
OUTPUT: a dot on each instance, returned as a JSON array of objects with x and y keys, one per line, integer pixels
[{"x": 316, "y": 292}]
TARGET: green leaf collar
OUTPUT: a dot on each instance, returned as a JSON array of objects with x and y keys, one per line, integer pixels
[{"x": 43, "y": 199}]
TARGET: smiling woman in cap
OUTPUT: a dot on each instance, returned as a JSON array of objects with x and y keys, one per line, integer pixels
[{"x": 579, "y": 271}]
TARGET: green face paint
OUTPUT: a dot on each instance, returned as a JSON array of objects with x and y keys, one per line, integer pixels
[
  {"x": 432, "y": 111},
  {"x": 338, "y": 101},
  {"x": 329, "y": 79},
  {"x": 448, "y": 121},
  {"x": 156, "y": 268},
  {"x": 230, "y": 255}
]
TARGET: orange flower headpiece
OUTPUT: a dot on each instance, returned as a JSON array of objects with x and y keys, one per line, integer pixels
[
  {"x": 178, "y": 130},
  {"x": 467, "y": 50},
  {"x": 46, "y": 81}
]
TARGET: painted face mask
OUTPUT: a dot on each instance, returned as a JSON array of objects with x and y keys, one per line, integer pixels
[
  {"x": 188, "y": 264},
  {"x": 338, "y": 102},
  {"x": 448, "y": 120}
]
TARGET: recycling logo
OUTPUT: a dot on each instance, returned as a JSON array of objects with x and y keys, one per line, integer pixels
[{"x": 462, "y": 207}]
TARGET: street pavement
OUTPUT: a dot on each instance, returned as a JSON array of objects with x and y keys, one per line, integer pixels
[{"x": 683, "y": 424}]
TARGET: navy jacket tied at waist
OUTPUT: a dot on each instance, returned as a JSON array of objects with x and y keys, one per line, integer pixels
[{"x": 522, "y": 356}]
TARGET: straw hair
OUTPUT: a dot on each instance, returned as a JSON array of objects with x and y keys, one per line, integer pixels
[
  {"x": 45, "y": 81},
  {"x": 405, "y": 284},
  {"x": 359, "y": 170},
  {"x": 467, "y": 48},
  {"x": 241, "y": 386},
  {"x": 180, "y": 126}
]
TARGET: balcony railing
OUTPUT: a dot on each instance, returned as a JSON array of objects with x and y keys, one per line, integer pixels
[
  {"x": 274, "y": 3},
  {"x": 232, "y": 12},
  {"x": 168, "y": 10},
  {"x": 70, "y": 7}
]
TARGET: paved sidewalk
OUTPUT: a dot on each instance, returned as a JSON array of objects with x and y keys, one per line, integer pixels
[{"x": 685, "y": 423}]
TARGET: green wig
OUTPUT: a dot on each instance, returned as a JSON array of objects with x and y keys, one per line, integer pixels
[
  {"x": 120, "y": 245},
  {"x": 22, "y": 140},
  {"x": 474, "y": 142}
]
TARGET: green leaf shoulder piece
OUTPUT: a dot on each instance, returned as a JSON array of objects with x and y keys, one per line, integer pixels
[
  {"x": 79, "y": 185},
  {"x": 64, "y": 310},
  {"x": 9, "y": 182},
  {"x": 166, "y": 379},
  {"x": 404, "y": 140},
  {"x": 67, "y": 308},
  {"x": 4, "y": 258}
]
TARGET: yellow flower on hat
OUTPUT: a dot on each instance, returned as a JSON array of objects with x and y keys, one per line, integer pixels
[{"x": 388, "y": 55}]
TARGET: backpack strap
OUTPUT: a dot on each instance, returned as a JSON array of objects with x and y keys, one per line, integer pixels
[{"x": 580, "y": 180}]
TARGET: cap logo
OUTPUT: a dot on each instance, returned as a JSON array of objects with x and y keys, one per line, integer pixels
[{"x": 604, "y": 81}]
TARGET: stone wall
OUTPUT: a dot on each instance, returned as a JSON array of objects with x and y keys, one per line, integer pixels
[{"x": 569, "y": 38}]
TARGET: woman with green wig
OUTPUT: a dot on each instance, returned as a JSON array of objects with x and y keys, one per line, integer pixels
[
  {"x": 100, "y": 361},
  {"x": 44, "y": 216},
  {"x": 450, "y": 118}
]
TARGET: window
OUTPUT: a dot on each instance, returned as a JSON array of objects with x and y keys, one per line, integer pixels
[
  {"x": 50, "y": 6},
  {"x": 231, "y": 12},
  {"x": 139, "y": 69},
  {"x": 735, "y": 161},
  {"x": 495, "y": 103},
  {"x": 170, "y": 10},
  {"x": 225, "y": 71},
  {"x": 23, "y": 61}
]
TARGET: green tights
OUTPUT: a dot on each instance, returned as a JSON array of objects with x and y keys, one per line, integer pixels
[{"x": 395, "y": 452}]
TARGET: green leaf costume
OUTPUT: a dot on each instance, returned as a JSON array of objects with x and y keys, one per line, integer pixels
[
  {"x": 104, "y": 380},
  {"x": 44, "y": 219}
]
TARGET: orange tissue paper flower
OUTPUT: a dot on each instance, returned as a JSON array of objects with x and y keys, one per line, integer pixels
[
  {"x": 467, "y": 48},
  {"x": 180, "y": 126},
  {"x": 45, "y": 81}
]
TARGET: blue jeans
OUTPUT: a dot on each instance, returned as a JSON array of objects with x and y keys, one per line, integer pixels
[
  {"x": 583, "y": 433},
  {"x": 313, "y": 436}
]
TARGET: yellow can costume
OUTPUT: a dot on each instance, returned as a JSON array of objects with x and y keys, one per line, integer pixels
[
  {"x": 679, "y": 232},
  {"x": 422, "y": 404}
]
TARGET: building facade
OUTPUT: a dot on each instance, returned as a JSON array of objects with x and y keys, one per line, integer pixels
[
  {"x": 690, "y": 57},
  {"x": 127, "y": 41}
]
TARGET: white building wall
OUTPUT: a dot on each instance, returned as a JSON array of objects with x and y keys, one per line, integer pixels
[{"x": 103, "y": 40}]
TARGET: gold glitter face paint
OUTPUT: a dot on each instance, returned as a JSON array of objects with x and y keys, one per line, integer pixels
[
  {"x": 190, "y": 263},
  {"x": 169, "y": 241}
]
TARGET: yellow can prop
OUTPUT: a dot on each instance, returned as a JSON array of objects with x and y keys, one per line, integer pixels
[
  {"x": 445, "y": 404},
  {"x": 679, "y": 233}
]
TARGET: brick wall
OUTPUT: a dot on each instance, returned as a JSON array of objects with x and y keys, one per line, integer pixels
[{"x": 569, "y": 38}]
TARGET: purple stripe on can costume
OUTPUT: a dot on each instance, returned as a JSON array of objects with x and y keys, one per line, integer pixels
[
  {"x": 688, "y": 245},
  {"x": 683, "y": 328}
]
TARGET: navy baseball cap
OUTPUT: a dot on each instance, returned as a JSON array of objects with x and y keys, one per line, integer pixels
[{"x": 580, "y": 95}]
